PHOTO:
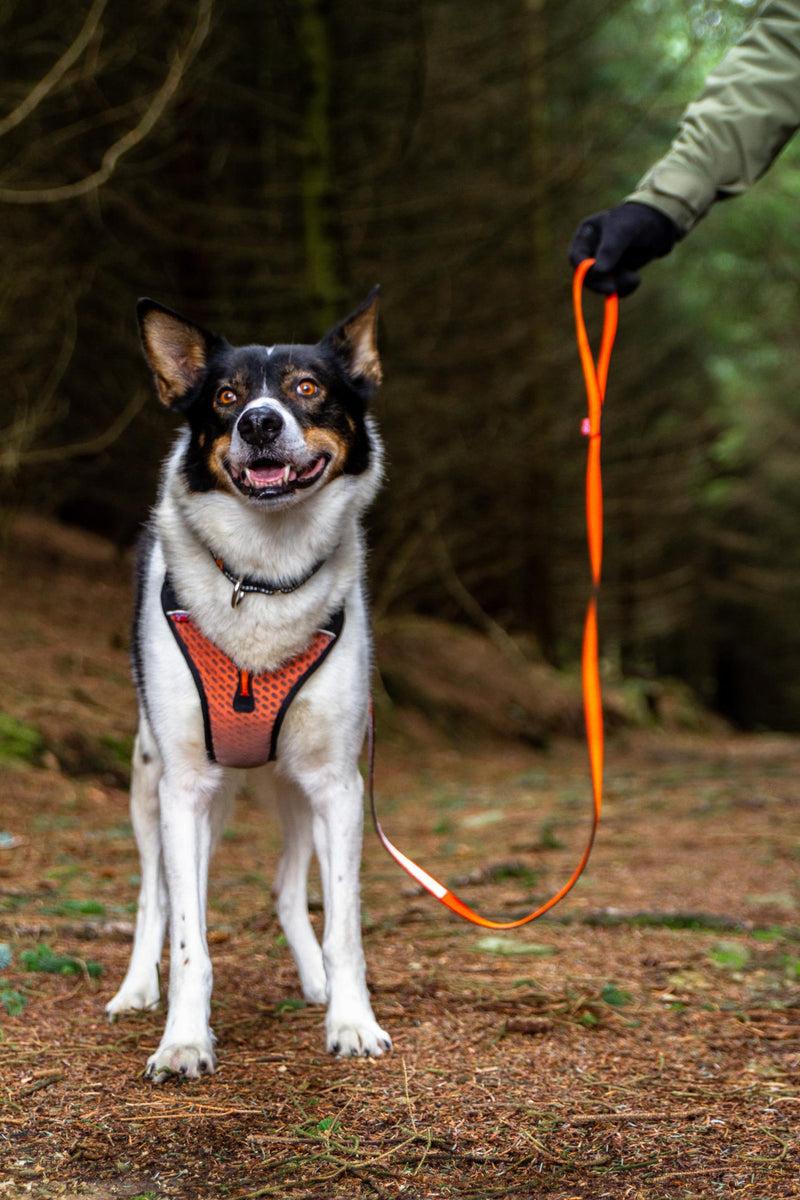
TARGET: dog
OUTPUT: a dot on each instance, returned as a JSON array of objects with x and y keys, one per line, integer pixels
[{"x": 251, "y": 649}]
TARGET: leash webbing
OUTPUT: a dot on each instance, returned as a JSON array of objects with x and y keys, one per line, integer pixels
[{"x": 595, "y": 377}]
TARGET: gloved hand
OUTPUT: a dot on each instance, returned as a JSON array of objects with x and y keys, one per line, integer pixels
[{"x": 621, "y": 240}]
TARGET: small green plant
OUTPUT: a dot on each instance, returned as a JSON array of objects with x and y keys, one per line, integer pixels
[
  {"x": 42, "y": 958},
  {"x": 730, "y": 956},
  {"x": 289, "y": 1005},
  {"x": 76, "y": 908},
  {"x": 548, "y": 839},
  {"x": 791, "y": 966},
  {"x": 615, "y": 996},
  {"x": 119, "y": 748},
  {"x": 19, "y": 742},
  {"x": 13, "y": 1001},
  {"x": 513, "y": 870}
]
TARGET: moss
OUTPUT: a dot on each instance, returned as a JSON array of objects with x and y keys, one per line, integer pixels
[{"x": 19, "y": 742}]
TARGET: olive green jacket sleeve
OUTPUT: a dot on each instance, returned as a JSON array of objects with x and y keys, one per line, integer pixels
[{"x": 748, "y": 109}]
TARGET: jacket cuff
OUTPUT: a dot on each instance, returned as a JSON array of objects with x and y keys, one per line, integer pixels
[{"x": 681, "y": 195}]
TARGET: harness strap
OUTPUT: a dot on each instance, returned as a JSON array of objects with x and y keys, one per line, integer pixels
[
  {"x": 243, "y": 712},
  {"x": 595, "y": 377}
]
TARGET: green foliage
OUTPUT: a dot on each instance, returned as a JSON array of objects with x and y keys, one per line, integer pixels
[
  {"x": 119, "y": 748},
  {"x": 791, "y": 967},
  {"x": 19, "y": 741},
  {"x": 730, "y": 956},
  {"x": 13, "y": 1001},
  {"x": 516, "y": 871},
  {"x": 548, "y": 839},
  {"x": 76, "y": 908},
  {"x": 290, "y": 1005},
  {"x": 615, "y": 996},
  {"x": 42, "y": 958}
]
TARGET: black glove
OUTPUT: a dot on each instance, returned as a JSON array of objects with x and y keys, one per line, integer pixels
[{"x": 621, "y": 240}]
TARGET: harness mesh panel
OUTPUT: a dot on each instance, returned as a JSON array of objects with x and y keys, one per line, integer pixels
[{"x": 243, "y": 712}]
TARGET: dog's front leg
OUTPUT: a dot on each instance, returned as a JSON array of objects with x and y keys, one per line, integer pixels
[
  {"x": 350, "y": 1025},
  {"x": 186, "y": 798},
  {"x": 140, "y": 988},
  {"x": 292, "y": 893}
]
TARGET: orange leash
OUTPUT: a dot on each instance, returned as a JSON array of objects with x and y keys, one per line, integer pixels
[{"x": 595, "y": 377}]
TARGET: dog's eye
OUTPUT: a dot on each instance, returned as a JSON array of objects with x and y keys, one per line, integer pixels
[
  {"x": 307, "y": 389},
  {"x": 227, "y": 395}
]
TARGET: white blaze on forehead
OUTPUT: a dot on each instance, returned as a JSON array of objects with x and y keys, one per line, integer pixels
[
  {"x": 291, "y": 438},
  {"x": 263, "y": 401}
]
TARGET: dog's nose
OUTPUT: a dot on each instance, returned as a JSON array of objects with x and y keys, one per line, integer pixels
[{"x": 260, "y": 426}]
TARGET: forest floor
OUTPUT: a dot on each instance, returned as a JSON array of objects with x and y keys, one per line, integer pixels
[{"x": 643, "y": 1040}]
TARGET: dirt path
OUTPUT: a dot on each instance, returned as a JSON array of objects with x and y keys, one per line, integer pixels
[{"x": 644, "y": 1041}]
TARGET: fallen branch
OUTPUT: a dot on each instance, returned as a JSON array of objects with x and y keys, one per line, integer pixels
[
  {"x": 680, "y": 1174},
  {"x": 688, "y": 1114}
]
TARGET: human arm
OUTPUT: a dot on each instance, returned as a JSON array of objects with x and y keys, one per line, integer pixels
[{"x": 728, "y": 137}]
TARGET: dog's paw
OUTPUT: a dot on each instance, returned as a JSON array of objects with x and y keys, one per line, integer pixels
[
  {"x": 350, "y": 1039},
  {"x": 182, "y": 1062},
  {"x": 133, "y": 1000},
  {"x": 315, "y": 988}
]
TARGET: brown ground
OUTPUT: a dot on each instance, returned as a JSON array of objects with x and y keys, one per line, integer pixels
[{"x": 642, "y": 1042}]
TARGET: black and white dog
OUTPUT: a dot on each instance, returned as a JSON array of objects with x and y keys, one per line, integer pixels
[{"x": 251, "y": 629}]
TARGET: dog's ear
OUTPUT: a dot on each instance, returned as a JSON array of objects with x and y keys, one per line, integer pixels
[
  {"x": 176, "y": 349},
  {"x": 355, "y": 339}
]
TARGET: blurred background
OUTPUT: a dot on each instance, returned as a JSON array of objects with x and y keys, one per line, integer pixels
[{"x": 260, "y": 166}]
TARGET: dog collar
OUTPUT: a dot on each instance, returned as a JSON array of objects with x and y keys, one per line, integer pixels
[{"x": 242, "y": 584}]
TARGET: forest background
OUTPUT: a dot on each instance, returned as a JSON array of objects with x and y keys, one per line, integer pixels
[{"x": 261, "y": 166}]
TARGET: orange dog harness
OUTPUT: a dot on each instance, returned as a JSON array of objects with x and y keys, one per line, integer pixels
[{"x": 242, "y": 711}]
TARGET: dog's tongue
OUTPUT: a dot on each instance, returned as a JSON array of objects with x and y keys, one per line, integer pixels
[{"x": 265, "y": 476}]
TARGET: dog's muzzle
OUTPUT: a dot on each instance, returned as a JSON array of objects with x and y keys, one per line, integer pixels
[{"x": 268, "y": 456}]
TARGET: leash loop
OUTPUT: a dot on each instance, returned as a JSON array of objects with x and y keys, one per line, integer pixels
[{"x": 595, "y": 378}]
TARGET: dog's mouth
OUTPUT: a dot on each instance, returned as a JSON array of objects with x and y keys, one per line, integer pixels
[{"x": 266, "y": 478}]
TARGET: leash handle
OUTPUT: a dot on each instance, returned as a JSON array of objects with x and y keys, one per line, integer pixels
[{"x": 595, "y": 377}]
